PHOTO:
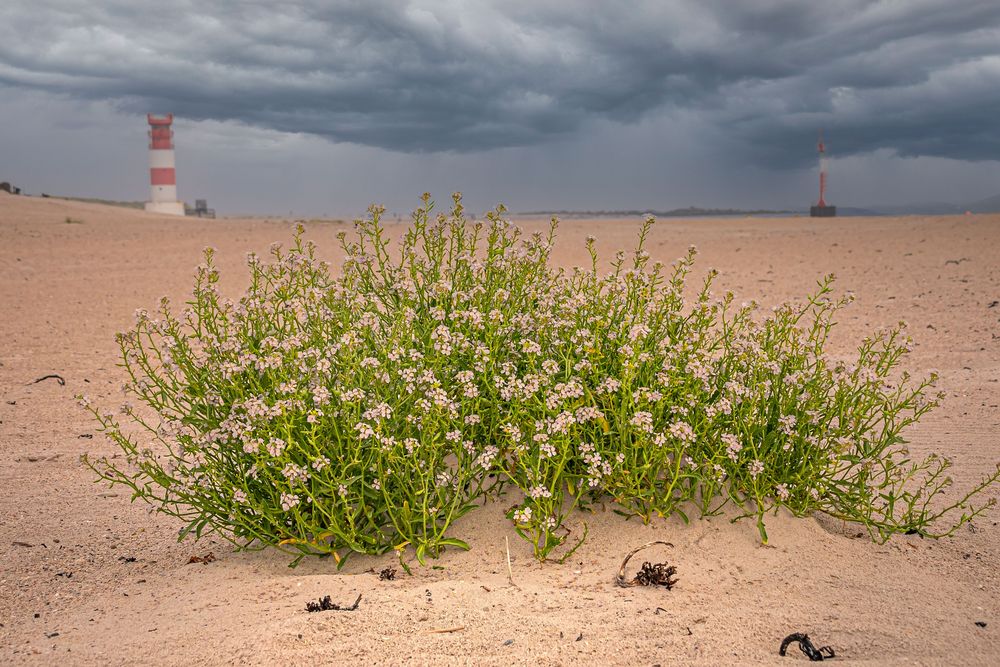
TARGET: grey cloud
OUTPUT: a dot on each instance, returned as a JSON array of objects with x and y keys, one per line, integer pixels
[{"x": 918, "y": 78}]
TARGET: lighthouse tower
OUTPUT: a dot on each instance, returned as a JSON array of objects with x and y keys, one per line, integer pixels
[{"x": 162, "y": 176}]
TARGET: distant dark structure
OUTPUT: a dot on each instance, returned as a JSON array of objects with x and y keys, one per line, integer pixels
[
  {"x": 7, "y": 187},
  {"x": 821, "y": 209},
  {"x": 200, "y": 210}
]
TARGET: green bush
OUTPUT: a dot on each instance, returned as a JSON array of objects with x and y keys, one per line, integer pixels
[{"x": 367, "y": 412}]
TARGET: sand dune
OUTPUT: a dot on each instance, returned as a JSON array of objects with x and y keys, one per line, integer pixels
[{"x": 71, "y": 275}]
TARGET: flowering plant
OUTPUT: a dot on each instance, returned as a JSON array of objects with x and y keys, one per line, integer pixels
[{"x": 367, "y": 412}]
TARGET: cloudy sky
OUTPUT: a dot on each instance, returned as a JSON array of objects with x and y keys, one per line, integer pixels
[{"x": 322, "y": 107}]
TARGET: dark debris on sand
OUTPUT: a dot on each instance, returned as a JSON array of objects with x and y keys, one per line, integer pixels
[
  {"x": 807, "y": 647},
  {"x": 656, "y": 574},
  {"x": 325, "y": 604}
]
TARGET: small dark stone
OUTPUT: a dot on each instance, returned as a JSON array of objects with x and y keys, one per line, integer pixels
[{"x": 981, "y": 624}]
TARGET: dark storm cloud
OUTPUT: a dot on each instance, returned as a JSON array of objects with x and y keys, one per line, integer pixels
[{"x": 916, "y": 77}]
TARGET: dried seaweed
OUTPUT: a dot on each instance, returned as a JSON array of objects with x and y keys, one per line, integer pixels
[
  {"x": 207, "y": 558},
  {"x": 656, "y": 574},
  {"x": 387, "y": 574},
  {"x": 650, "y": 574},
  {"x": 325, "y": 604},
  {"x": 53, "y": 376},
  {"x": 806, "y": 646}
]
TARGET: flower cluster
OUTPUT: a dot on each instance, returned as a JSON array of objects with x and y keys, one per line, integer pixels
[{"x": 368, "y": 412}]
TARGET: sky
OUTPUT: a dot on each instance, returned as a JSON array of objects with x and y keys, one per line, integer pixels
[{"x": 323, "y": 107}]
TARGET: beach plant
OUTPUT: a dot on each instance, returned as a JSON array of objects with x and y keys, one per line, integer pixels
[{"x": 456, "y": 365}]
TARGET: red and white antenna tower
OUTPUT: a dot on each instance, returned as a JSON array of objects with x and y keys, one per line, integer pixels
[
  {"x": 162, "y": 172},
  {"x": 821, "y": 209},
  {"x": 822, "y": 170}
]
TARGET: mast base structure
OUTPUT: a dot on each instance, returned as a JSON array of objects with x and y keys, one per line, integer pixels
[{"x": 822, "y": 211}]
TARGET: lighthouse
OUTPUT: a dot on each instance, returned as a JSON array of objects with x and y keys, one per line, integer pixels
[{"x": 162, "y": 174}]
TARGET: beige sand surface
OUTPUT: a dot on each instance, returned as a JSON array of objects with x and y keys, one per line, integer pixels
[{"x": 66, "y": 288}]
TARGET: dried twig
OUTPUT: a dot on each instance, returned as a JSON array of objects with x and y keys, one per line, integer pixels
[
  {"x": 649, "y": 572},
  {"x": 443, "y": 631},
  {"x": 510, "y": 572}
]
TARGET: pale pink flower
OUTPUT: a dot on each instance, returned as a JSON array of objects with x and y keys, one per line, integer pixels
[{"x": 288, "y": 501}]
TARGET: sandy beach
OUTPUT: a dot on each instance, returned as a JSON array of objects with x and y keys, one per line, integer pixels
[{"x": 88, "y": 578}]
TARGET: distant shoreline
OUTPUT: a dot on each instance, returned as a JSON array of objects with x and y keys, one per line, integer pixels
[{"x": 691, "y": 212}]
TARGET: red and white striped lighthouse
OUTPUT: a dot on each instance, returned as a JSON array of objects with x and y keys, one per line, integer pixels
[{"x": 162, "y": 174}]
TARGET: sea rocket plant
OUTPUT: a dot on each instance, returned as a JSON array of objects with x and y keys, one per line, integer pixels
[{"x": 369, "y": 411}]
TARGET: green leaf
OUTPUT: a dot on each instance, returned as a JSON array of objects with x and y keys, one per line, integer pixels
[{"x": 454, "y": 542}]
